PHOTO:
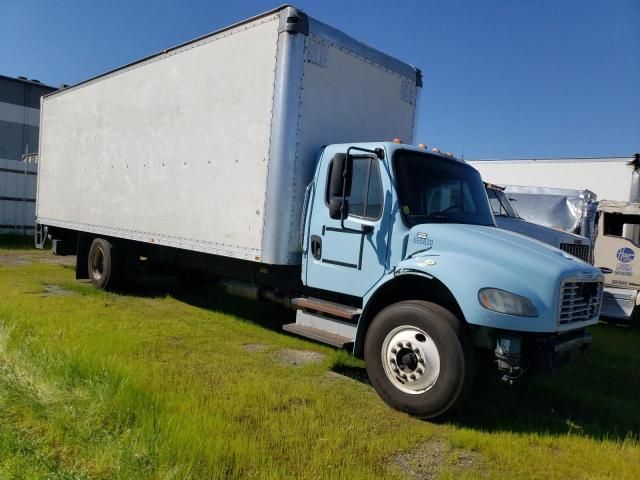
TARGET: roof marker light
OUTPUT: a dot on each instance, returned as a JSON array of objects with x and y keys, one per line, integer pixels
[
  {"x": 449, "y": 154},
  {"x": 435, "y": 150},
  {"x": 422, "y": 146},
  {"x": 397, "y": 140}
]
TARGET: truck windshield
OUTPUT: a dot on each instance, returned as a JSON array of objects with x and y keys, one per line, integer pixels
[
  {"x": 433, "y": 189},
  {"x": 500, "y": 204}
]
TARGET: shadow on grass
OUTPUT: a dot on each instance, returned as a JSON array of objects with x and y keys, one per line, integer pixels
[
  {"x": 13, "y": 241},
  {"x": 596, "y": 394},
  {"x": 213, "y": 296},
  {"x": 356, "y": 373}
]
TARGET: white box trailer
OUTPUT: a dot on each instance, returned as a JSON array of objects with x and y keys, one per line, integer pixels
[
  {"x": 610, "y": 178},
  {"x": 209, "y": 146}
]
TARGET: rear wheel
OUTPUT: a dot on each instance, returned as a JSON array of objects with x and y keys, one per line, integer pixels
[
  {"x": 419, "y": 358},
  {"x": 105, "y": 264}
]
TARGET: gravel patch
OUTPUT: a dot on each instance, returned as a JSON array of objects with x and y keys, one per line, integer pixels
[
  {"x": 14, "y": 261},
  {"x": 432, "y": 458},
  {"x": 55, "y": 290},
  {"x": 254, "y": 347},
  {"x": 296, "y": 358},
  {"x": 55, "y": 260},
  {"x": 39, "y": 257}
]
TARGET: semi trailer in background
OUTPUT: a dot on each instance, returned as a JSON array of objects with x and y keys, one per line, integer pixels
[
  {"x": 609, "y": 178},
  {"x": 257, "y": 154}
]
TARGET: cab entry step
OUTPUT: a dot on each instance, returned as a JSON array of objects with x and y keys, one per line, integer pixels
[
  {"x": 324, "y": 306},
  {"x": 322, "y": 329}
]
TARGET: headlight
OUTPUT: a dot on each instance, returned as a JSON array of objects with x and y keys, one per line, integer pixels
[{"x": 504, "y": 302}]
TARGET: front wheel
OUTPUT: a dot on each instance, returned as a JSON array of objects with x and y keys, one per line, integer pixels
[{"x": 419, "y": 358}]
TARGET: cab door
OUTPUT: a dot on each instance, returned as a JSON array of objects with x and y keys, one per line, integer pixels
[{"x": 349, "y": 256}]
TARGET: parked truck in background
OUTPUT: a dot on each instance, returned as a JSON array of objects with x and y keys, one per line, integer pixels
[
  {"x": 508, "y": 218},
  {"x": 610, "y": 219},
  {"x": 617, "y": 246},
  {"x": 257, "y": 154}
]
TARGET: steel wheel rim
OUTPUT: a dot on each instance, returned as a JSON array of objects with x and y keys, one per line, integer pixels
[
  {"x": 97, "y": 263},
  {"x": 410, "y": 359}
]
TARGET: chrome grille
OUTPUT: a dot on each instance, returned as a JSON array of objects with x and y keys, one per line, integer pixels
[
  {"x": 583, "y": 252},
  {"x": 579, "y": 301}
]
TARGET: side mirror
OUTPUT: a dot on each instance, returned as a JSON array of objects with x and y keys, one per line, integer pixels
[
  {"x": 340, "y": 185},
  {"x": 335, "y": 208},
  {"x": 338, "y": 208}
]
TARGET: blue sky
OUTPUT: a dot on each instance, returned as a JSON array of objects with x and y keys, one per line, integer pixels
[{"x": 502, "y": 78}]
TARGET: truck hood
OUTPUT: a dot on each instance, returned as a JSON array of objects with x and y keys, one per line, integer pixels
[
  {"x": 467, "y": 258},
  {"x": 547, "y": 235},
  {"x": 492, "y": 244}
]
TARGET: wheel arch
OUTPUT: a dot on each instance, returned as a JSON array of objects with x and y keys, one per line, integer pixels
[{"x": 413, "y": 285}]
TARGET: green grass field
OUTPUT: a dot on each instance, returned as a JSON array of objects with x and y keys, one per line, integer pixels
[{"x": 169, "y": 382}]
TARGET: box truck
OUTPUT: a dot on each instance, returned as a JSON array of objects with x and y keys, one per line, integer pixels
[{"x": 258, "y": 154}]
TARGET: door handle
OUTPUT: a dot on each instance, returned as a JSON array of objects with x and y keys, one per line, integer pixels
[{"x": 316, "y": 246}]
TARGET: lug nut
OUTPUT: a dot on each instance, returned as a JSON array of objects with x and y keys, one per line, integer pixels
[
  {"x": 393, "y": 350},
  {"x": 393, "y": 360},
  {"x": 412, "y": 377},
  {"x": 399, "y": 345},
  {"x": 416, "y": 351},
  {"x": 419, "y": 371}
]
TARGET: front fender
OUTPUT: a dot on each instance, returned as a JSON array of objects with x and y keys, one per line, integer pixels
[{"x": 464, "y": 275}]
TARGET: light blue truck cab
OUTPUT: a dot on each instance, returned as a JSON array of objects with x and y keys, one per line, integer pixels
[{"x": 405, "y": 242}]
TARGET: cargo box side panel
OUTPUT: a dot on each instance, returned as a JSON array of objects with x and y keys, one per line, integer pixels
[
  {"x": 346, "y": 96},
  {"x": 172, "y": 150}
]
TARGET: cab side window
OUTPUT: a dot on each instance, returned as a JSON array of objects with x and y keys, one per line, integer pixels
[{"x": 365, "y": 199}]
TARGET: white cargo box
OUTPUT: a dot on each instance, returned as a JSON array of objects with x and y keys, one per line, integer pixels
[{"x": 210, "y": 145}]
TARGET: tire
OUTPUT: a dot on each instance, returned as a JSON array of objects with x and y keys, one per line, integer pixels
[
  {"x": 442, "y": 366},
  {"x": 105, "y": 265}
]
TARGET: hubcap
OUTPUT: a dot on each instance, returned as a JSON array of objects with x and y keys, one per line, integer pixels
[
  {"x": 97, "y": 263},
  {"x": 410, "y": 359}
]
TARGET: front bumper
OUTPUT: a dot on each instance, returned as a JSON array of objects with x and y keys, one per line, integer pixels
[
  {"x": 539, "y": 353},
  {"x": 618, "y": 302}
]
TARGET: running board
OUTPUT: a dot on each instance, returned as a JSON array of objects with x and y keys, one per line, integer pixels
[
  {"x": 322, "y": 329},
  {"x": 334, "y": 309}
]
